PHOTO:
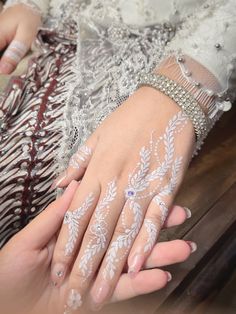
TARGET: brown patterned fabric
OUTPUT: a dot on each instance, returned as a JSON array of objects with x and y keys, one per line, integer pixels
[{"x": 29, "y": 134}]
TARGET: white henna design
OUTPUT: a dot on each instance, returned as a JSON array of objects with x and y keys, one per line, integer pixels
[
  {"x": 83, "y": 153},
  {"x": 123, "y": 241},
  {"x": 168, "y": 189},
  {"x": 139, "y": 187},
  {"x": 72, "y": 220},
  {"x": 99, "y": 229},
  {"x": 152, "y": 234},
  {"x": 74, "y": 300}
]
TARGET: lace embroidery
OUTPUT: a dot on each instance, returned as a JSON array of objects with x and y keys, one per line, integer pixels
[
  {"x": 105, "y": 72},
  {"x": 29, "y": 3}
]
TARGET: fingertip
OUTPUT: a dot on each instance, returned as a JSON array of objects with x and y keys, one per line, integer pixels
[
  {"x": 184, "y": 249},
  {"x": 177, "y": 216},
  {"x": 192, "y": 245},
  {"x": 70, "y": 189},
  {"x": 6, "y": 67},
  {"x": 169, "y": 276}
]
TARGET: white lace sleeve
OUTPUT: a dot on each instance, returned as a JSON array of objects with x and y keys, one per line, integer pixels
[
  {"x": 38, "y": 6},
  {"x": 209, "y": 37}
]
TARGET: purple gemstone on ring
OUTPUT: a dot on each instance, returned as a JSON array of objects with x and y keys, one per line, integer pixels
[{"x": 130, "y": 193}]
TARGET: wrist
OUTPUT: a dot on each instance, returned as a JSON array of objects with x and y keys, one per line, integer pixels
[{"x": 156, "y": 108}]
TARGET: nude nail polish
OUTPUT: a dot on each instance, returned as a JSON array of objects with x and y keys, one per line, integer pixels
[
  {"x": 188, "y": 212},
  {"x": 135, "y": 264},
  {"x": 193, "y": 246},
  {"x": 169, "y": 276},
  {"x": 100, "y": 293}
]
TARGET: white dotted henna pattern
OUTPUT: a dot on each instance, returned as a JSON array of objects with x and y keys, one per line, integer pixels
[
  {"x": 152, "y": 234},
  {"x": 168, "y": 189},
  {"x": 82, "y": 154},
  {"x": 74, "y": 301},
  {"x": 72, "y": 220},
  {"x": 99, "y": 230},
  {"x": 144, "y": 183}
]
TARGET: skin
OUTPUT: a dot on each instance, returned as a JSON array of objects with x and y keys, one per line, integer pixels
[
  {"x": 115, "y": 146},
  {"x": 17, "y": 23},
  {"x": 25, "y": 263}
]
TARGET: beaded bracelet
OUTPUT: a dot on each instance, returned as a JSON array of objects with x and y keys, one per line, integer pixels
[{"x": 182, "y": 97}]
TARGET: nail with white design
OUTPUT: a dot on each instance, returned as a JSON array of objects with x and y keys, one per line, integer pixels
[{"x": 74, "y": 300}]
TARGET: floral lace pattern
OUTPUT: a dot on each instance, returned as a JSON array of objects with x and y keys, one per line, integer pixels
[
  {"x": 109, "y": 58},
  {"x": 39, "y": 7}
]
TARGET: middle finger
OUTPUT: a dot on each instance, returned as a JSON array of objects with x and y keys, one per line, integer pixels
[{"x": 95, "y": 243}]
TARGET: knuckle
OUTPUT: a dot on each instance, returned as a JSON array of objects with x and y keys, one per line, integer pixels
[
  {"x": 61, "y": 257},
  {"x": 120, "y": 230},
  {"x": 77, "y": 277},
  {"x": 91, "y": 233},
  {"x": 156, "y": 218}
]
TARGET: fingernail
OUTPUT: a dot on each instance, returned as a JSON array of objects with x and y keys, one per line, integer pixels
[
  {"x": 188, "y": 212},
  {"x": 5, "y": 68},
  {"x": 74, "y": 300},
  {"x": 100, "y": 294},
  {"x": 169, "y": 276},
  {"x": 193, "y": 246},
  {"x": 135, "y": 265},
  {"x": 66, "y": 311},
  {"x": 58, "y": 273},
  {"x": 58, "y": 181}
]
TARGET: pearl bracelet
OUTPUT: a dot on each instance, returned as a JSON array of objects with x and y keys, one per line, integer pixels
[{"x": 182, "y": 97}]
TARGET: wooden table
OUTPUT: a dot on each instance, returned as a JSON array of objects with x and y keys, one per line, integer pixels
[{"x": 206, "y": 283}]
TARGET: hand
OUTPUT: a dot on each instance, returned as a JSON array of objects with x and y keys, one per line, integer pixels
[
  {"x": 18, "y": 29},
  {"x": 25, "y": 264},
  {"x": 130, "y": 169}
]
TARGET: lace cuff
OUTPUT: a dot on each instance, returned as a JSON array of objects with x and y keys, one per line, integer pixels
[
  {"x": 200, "y": 82},
  {"x": 209, "y": 37},
  {"x": 38, "y": 7}
]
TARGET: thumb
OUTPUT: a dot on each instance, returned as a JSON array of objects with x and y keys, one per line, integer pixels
[
  {"x": 16, "y": 50},
  {"x": 38, "y": 233}
]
